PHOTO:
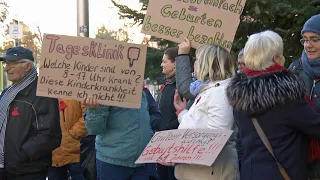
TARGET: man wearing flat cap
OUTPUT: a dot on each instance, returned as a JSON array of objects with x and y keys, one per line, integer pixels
[{"x": 29, "y": 125}]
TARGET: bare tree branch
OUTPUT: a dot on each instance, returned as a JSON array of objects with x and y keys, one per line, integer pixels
[{"x": 39, "y": 35}]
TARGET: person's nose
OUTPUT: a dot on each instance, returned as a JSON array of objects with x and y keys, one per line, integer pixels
[{"x": 307, "y": 44}]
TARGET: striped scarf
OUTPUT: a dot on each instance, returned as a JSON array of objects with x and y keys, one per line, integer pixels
[{"x": 5, "y": 102}]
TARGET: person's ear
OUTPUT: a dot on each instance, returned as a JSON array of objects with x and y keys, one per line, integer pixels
[
  {"x": 279, "y": 60},
  {"x": 274, "y": 59},
  {"x": 28, "y": 67}
]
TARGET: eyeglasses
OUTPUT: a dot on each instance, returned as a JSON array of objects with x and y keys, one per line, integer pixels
[
  {"x": 11, "y": 64},
  {"x": 313, "y": 40}
]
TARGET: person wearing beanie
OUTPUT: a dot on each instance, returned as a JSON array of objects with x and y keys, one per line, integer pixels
[{"x": 308, "y": 67}]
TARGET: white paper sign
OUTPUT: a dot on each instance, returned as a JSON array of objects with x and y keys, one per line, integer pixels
[{"x": 15, "y": 31}]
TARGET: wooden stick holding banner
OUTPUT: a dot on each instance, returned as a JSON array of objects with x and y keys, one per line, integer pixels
[
  {"x": 78, "y": 67},
  {"x": 189, "y": 146}
]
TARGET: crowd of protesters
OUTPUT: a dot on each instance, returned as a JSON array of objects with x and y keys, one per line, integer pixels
[{"x": 273, "y": 113}]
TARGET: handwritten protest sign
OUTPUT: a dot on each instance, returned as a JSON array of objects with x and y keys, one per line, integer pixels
[
  {"x": 190, "y": 146},
  {"x": 77, "y": 67},
  {"x": 201, "y": 21}
]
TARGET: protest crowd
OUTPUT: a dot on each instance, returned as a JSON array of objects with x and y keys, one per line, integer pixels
[{"x": 272, "y": 115}]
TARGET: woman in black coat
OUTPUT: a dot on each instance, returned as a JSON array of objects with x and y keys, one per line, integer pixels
[
  {"x": 169, "y": 118},
  {"x": 276, "y": 98}
]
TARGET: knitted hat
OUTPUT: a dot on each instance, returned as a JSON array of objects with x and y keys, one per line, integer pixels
[{"x": 312, "y": 25}]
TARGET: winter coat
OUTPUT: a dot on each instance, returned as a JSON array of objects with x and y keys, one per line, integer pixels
[
  {"x": 184, "y": 78},
  {"x": 154, "y": 112},
  {"x": 73, "y": 128},
  {"x": 211, "y": 110},
  {"x": 278, "y": 102},
  {"x": 165, "y": 104},
  {"x": 32, "y": 132},
  {"x": 312, "y": 85},
  {"x": 122, "y": 133}
]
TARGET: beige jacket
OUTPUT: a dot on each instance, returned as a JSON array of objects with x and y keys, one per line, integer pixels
[{"x": 72, "y": 128}]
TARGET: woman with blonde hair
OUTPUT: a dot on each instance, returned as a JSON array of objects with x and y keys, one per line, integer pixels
[
  {"x": 210, "y": 110},
  {"x": 272, "y": 111}
]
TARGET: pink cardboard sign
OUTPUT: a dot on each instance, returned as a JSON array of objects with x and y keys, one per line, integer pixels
[{"x": 189, "y": 146}]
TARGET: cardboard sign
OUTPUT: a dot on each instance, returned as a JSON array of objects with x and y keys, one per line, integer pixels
[
  {"x": 78, "y": 67},
  {"x": 189, "y": 146},
  {"x": 201, "y": 21}
]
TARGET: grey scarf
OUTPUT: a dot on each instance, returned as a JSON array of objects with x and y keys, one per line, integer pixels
[
  {"x": 5, "y": 102},
  {"x": 311, "y": 67}
]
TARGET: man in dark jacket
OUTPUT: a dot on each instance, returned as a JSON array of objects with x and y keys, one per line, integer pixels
[{"x": 30, "y": 128}]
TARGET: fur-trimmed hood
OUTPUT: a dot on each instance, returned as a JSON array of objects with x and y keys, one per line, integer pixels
[{"x": 256, "y": 94}]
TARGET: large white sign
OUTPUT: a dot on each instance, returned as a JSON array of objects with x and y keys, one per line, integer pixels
[{"x": 15, "y": 31}]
